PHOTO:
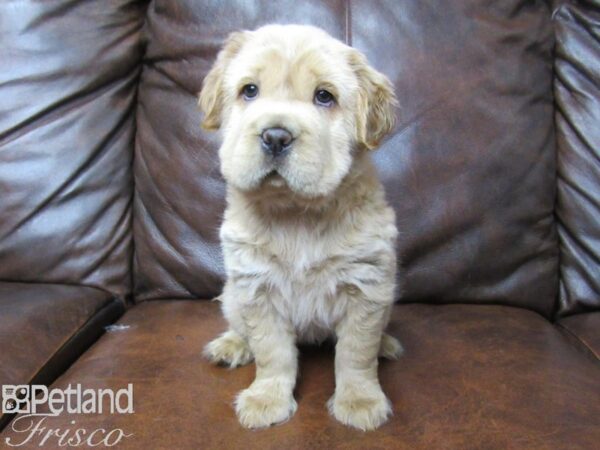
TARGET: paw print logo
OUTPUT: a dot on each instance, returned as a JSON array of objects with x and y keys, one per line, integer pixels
[{"x": 15, "y": 399}]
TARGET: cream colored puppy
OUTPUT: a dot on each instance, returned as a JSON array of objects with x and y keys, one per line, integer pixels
[{"x": 308, "y": 239}]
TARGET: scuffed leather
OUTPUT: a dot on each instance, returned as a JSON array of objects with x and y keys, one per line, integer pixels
[
  {"x": 67, "y": 89},
  {"x": 577, "y": 91},
  {"x": 470, "y": 168}
]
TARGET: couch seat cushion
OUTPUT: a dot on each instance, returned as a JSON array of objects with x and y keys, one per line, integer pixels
[{"x": 471, "y": 377}]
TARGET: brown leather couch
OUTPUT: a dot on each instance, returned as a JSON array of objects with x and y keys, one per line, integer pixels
[{"x": 111, "y": 199}]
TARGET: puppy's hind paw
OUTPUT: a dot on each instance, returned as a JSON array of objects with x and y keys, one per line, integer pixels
[
  {"x": 390, "y": 347},
  {"x": 229, "y": 349}
]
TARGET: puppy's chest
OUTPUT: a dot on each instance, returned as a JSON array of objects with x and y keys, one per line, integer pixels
[
  {"x": 297, "y": 258},
  {"x": 307, "y": 275}
]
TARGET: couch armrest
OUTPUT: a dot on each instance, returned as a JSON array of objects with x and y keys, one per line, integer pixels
[{"x": 45, "y": 327}]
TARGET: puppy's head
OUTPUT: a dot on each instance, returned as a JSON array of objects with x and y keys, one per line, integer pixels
[{"x": 295, "y": 106}]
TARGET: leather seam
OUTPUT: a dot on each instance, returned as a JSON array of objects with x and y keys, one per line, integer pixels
[
  {"x": 348, "y": 23},
  {"x": 581, "y": 342}
]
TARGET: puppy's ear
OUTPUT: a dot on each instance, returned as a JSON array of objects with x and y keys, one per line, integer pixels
[
  {"x": 376, "y": 102},
  {"x": 212, "y": 96}
]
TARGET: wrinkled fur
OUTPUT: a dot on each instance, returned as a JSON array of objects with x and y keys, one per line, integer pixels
[{"x": 309, "y": 253}]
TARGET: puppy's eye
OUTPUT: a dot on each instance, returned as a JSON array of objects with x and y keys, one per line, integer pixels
[
  {"x": 324, "y": 98},
  {"x": 249, "y": 91}
]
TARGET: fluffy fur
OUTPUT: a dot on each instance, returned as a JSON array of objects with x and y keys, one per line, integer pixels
[{"x": 308, "y": 238}]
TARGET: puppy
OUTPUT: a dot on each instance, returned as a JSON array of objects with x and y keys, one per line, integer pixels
[{"x": 308, "y": 238}]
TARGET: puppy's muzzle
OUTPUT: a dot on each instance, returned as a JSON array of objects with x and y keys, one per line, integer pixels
[{"x": 276, "y": 141}]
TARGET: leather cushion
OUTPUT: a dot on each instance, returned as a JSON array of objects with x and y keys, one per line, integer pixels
[
  {"x": 472, "y": 376},
  {"x": 577, "y": 93},
  {"x": 469, "y": 168},
  {"x": 68, "y": 84}
]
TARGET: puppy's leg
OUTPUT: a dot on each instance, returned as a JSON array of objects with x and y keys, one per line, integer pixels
[
  {"x": 229, "y": 349},
  {"x": 269, "y": 399},
  {"x": 358, "y": 400}
]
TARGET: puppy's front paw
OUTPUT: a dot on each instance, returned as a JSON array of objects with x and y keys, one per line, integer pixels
[
  {"x": 365, "y": 409},
  {"x": 262, "y": 405},
  {"x": 229, "y": 349}
]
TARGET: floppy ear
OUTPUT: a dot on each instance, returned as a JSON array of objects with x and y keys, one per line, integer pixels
[
  {"x": 375, "y": 105},
  {"x": 211, "y": 96}
]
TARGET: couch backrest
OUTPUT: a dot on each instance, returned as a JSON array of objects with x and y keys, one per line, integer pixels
[
  {"x": 470, "y": 167},
  {"x": 68, "y": 80}
]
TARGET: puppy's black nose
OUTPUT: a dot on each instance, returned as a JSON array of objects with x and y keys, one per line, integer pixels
[{"x": 276, "y": 141}]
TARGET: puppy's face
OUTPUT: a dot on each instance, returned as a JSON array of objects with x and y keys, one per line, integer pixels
[{"x": 294, "y": 105}]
